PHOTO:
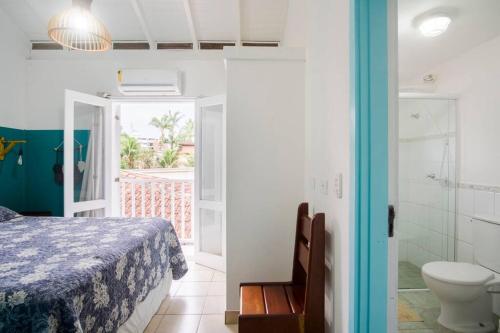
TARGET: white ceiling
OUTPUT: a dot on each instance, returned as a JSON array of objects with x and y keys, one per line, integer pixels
[
  {"x": 164, "y": 20},
  {"x": 474, "y": 22}
]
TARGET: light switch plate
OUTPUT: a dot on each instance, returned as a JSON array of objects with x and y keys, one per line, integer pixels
[
  {"x": 338, "y": 186},
  {"x": 323, "y": 187}
]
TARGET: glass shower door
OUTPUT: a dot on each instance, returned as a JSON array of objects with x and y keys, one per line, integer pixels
[{"x": 426, "y": 221}]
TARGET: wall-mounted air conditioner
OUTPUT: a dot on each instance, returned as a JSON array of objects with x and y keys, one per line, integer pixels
[{"x": 150, "y": 82}]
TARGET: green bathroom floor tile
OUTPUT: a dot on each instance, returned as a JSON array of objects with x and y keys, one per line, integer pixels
[
  {"x": 426, "y": 305},
  {"x": 409, "y": 276}
]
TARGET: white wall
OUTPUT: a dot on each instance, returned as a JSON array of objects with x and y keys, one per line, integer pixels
[
  {"x": 13, "y": 52},
  {"x": 50, "y": 73},
  {"x": 265, "y": 164},
  {"x": 328, "y": 142}
]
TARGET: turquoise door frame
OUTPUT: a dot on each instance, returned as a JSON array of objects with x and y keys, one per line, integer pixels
[{"x": 369, "y": 74}]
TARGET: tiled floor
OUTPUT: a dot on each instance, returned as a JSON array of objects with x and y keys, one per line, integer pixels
[
  {"x": 426, "y": 305},
  {"x": 409, "y": 276},
  {"x": 196, "y": 303}
]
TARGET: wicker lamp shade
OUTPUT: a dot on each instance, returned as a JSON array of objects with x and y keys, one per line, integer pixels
[{"x": 78, "y": 29}]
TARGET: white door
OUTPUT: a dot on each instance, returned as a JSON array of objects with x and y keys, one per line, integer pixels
[
  {"x": 87, "y": 155},
  {"x": 210, "y": 183}
]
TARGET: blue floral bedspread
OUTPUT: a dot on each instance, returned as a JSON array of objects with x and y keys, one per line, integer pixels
[{"x": 81, "y": 274}]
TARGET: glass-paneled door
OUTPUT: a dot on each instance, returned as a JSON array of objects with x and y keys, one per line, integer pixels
[
  {"x": 210, "y": 183},
  {"x": 87, "y": 155}
]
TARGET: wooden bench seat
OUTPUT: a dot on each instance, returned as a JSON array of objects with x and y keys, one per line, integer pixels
[{"x": 296, "y": 306}]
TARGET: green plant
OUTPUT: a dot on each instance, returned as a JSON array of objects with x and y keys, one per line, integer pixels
[
  {"x": 167, "y": 124},
  {"x": 130, "y": 151},
  {"x": 147, "y": 159},
  {"x": 170, "y": 158}
]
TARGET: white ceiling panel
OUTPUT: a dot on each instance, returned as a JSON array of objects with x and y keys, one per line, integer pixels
[
  {"x": 167, "y": 20},
  {"x": 120, "y": 19},
  {"x": 216, "y": 19},
  {"x": 263, "y": 20},
  {"x": 473, "y": 23}
]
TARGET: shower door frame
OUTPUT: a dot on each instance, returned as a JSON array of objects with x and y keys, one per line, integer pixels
[{"x": 394, "y": 184}]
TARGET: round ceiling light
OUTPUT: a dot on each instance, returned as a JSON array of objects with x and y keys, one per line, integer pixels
[
  {"x": 76, "y": 28},
  {"x": 434, "y": 26}
]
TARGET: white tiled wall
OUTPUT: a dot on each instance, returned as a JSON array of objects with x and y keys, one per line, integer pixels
[
  {"x": 472, "y": 202},
  {"x": 426, "y": 217},
  {"x": 426, "y": 210}
]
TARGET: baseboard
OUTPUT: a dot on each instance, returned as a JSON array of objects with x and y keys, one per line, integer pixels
[{"x": 231, "y": 317}]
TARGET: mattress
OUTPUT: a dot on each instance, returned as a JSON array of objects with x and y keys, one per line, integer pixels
[{"x": 81, "y": 274}]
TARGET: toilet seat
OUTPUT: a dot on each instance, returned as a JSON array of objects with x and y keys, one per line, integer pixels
[{"x": 457, "y": 273}]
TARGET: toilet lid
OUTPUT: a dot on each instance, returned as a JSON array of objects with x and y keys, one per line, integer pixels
[{"x": 457, "y": 272}]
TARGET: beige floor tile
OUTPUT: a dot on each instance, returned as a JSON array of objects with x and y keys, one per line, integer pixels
[
  {"x": 193, "y": 289},
  {"x": 215, "y": 324},
  {"x": 186, "y": 305},
  {"x": 195, "y": 267},
  {"x": 179, "y": 324},
  {"x": 219, "y": 276},
  {"x": 153, "y": 324},
  {"x": 164, "y": 305},
  {"x": 215, "y": 305},
  {"x": 174, "y": 287},
  {"x": 217, "y": 289},
  {"x": 198, "y": 276}
]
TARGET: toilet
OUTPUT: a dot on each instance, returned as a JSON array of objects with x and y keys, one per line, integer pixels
[{"x": 462, "y": 288}]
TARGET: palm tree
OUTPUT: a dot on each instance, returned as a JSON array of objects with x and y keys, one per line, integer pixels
[
  {"x": 162, "y": 123},
  {"x": 167, "y": 124},
  {"x": 170, "y": 158},
  {"x": 130, "y": 151}
]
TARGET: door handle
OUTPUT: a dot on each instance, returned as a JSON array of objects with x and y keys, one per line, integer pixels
[{"x": 391, "y": 217}]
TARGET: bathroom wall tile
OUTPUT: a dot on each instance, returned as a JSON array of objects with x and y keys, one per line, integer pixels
[
  {"x": 464, "y": 228},
  {"x": 437, "y": 219},
  {"x": 466, "y": 201},
  {"x": 465, "y": 252},
  {"x": 434, "y": 243},
  {"x": 484, "y": 202},
  {"x": 497, "y": 204}
]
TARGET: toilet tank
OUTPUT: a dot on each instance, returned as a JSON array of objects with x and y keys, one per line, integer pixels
[{"x": 486, "y": 238}]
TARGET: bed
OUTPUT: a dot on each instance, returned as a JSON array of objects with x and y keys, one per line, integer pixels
[{"x": 84, "y": 274}]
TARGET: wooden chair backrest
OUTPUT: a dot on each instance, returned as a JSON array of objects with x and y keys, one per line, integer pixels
[{"x": 308, "y": 275}]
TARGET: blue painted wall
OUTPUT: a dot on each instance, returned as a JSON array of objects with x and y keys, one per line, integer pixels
[
  {"x": 13, "y": 176},
  {"x": 32, "y": 187}
]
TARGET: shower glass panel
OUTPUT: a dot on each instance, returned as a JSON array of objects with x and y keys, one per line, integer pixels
[{"x": 426, "y": 219}]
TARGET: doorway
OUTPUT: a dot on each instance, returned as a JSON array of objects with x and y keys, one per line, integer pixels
[
  {"x": 171, "y": 164},
  {"x": 156, "y": 163}
]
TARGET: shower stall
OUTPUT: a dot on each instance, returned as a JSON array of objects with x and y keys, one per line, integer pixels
[{"x": 427, "y": 184}]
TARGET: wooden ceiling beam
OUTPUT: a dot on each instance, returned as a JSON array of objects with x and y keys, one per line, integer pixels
[
  {"x": 139, "y": 12},
  {"x": 189, "y": 17},
  {"x": 238, "y": 15}
]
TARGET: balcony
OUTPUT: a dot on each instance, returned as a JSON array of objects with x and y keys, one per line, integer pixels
[{"x": 166, "y": 193}]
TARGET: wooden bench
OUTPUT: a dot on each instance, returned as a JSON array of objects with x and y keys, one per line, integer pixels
[{"x": 297, "y": 306}]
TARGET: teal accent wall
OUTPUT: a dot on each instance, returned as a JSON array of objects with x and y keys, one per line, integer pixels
[
  {"x": 369, "y": 76},
  {"x": 32, "y": 187},
  {"x": 12, "y": 176}
]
